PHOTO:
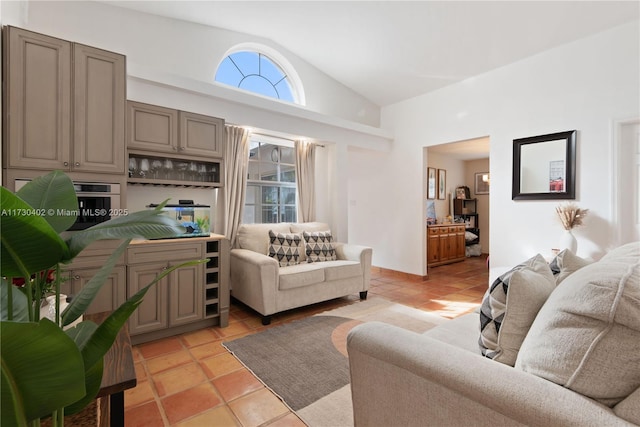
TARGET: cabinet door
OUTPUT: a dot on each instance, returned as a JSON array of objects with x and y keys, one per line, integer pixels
[
  {"x": 186, "y": 299},
  {"x": 445, "y": 245},
  {"x": 459, "y": 243},
  {"x": 99, "y": 110},
  {"x": 37, "y": 105},
  {"x": 151, "y": 314},
  {"x": 152, "y": 128},
  {"x": 111, "y": 295},
  {"x": 201, "y": 135},
  {"x": 433, "y": 245}
]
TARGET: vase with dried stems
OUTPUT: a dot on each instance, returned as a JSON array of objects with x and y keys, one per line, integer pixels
[{"x": 571, "y": 216}]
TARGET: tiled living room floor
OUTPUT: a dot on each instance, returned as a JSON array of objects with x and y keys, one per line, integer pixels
[{"x": 191, "y": 380}]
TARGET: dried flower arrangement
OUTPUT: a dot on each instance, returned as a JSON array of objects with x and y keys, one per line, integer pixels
[{"x": 571, "y": 215}]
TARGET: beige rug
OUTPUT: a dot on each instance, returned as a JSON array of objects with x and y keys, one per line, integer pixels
[{"x": 305, "y": 362}]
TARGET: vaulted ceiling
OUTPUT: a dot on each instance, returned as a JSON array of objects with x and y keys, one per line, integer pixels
[{"x": 389, "y": 51}]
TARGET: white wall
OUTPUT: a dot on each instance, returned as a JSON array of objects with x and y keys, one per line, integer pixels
[
  {"x": 584, "y": 85},
  {"x": 173, "y": 47}
]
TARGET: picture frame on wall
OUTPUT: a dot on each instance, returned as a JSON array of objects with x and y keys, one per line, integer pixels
[
  {"x": 482, "y": 182},
  {"x": 442, "y": 184},
  {"x": 431, "y": 183}
]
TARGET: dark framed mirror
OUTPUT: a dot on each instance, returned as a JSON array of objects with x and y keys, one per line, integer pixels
[{"x": 544, "y": 167}]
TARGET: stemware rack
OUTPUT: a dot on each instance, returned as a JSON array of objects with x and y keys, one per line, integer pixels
[{"x": 172, "y": 171}]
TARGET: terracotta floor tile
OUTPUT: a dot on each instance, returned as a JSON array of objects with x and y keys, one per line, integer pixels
[
  {"x": 147, "y": 415},
  {"x": 220, "y": 365},
  {"x": 451, "y": 290},
  {"x": 168, "y": 361},
  {"x": 234, "y": 329},
  {"x": 257, "y": 408},
  {"x": 189, "y": 402},
  {"x": 141, "y": 372},
  {"x": 207, "y": 350},
  {"x": 141, "y": 393},
  {"x": 217, "y": 417},
  {"x": 290, "y": 420},
  {"x": 236, "y": 384},
  {"x": 203, "y": 336},
  {"x": 178, "y": 379},
  {"x": 157, "y": 348}
]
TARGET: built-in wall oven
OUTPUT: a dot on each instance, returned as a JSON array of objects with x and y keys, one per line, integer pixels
[{"x": 97, "y": 202}]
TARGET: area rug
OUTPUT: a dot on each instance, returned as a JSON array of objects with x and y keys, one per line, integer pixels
[{"x": 305, "y": 362}]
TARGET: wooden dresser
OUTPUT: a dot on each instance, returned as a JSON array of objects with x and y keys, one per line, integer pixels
[{"x": 445, "y": 244}]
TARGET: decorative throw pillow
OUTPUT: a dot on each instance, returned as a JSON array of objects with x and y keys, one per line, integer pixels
[
  {"x": 565, "y": 263},
  {"x": 510, "y": 306},
  {"x": 587, "y": 335},
  {"x": 285, "y": 247},
  {"x": 319, "y": 246},
  {"x": 469, "y": 236}
]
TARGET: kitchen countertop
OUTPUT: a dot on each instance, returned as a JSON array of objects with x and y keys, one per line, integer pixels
[{"x": 177, "y": 239}]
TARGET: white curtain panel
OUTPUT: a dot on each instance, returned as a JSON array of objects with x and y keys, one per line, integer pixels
[
  {"x": 236, "y": 165},
  {"x": 305, "y": 178}
]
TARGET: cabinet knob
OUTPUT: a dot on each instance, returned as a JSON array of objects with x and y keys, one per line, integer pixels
[
  {"x": 175, "y": 148},
  {"x": 76, "y": 277},
  {"x": 180, "y": 148},
  {"x": 77, "y": 163},
  {"x": 66, "y": 163}
]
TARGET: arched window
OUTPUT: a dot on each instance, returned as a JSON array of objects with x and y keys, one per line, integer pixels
[{"x": 256, "y": 70}]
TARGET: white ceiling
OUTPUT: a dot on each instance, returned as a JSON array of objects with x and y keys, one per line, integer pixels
[{"x": 389, "y": 51}]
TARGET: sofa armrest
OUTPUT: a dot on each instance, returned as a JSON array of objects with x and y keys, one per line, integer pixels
[
  {"x": 254, "y": 279},
  {"x": 400, "y": 378},
  {"x": 361, "y": 254}
]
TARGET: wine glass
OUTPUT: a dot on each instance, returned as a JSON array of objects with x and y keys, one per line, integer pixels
[
  {"x": 168, "y": 168},
  {"x": 156, "y": 165},
  {"x": 144, "y": 167},
  {"x": 133, "y": 166},
  {"x": 182, "y": 168},
  {"x": 202, "y": 173},
  {"x": 193, "y": 171}
]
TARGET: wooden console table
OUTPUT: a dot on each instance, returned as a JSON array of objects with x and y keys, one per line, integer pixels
[{"x": 119, "y": 373}]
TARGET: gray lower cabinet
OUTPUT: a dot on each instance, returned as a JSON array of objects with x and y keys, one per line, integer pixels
[
  {"x": 111, "y": 295},
  {"x": 177, "y": 299}
]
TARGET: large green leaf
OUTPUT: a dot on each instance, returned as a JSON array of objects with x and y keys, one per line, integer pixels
[
  {"x": 29, "y": 244},
  {"x": 85, "y": 297},
  {"x": 149, "y": 224},
  {"x": 19, "y": 303},
  {"x": 42, "y": 370},
  {"x": 54, "y": 196}
]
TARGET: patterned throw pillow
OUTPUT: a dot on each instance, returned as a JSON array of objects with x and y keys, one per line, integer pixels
[
  {"x": 285, "y": 247},
  {"x": 510, "y": 306},
  {"x": 565, "y": 263},
  {"x": 319, "y": 246}
]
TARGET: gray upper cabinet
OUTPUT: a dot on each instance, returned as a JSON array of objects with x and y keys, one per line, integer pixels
[
  {"x": 64, "y": 105},
  {"x": 152, "y": 128},
  {"x": 158, "y": 130},
  {"x": 201, "y": 135},
  {"x": 98, "y": 110}
]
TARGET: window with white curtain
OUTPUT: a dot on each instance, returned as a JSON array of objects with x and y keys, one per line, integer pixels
[{"x": 271, "y": 182}]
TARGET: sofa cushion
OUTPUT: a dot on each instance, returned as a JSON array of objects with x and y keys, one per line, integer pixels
[
  {"x": 338, "y": 270},
  {"x": 629, "y": 408},
  {"x": 319, "y": 246},
  {"x": 255, "y": 237},
  {"x": 587, "y": 335},
  {"x": 565, "y": 263},
  {"x": 510, "y": 306},
  {"x": 297, "y": 276},
  {"x": 629, "y": 254},
  {"x": 285, "y": 247}
]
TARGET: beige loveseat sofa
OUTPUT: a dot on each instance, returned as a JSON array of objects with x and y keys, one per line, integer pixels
[
  {"x": 259, "y": 281},
  {"x": 578, "y": 363}
]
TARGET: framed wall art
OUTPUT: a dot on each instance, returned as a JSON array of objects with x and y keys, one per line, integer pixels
[
  {"x": 442, "y": 184},
  {"x": 431, "y": 183},
  {"x": 483, "y": 179}
]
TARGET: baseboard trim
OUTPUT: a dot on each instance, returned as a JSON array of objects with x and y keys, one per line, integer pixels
[{"x": 400, "y": 274}]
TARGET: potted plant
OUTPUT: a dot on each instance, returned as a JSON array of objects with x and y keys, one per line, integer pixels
[{"x": 47, "y": 370}]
